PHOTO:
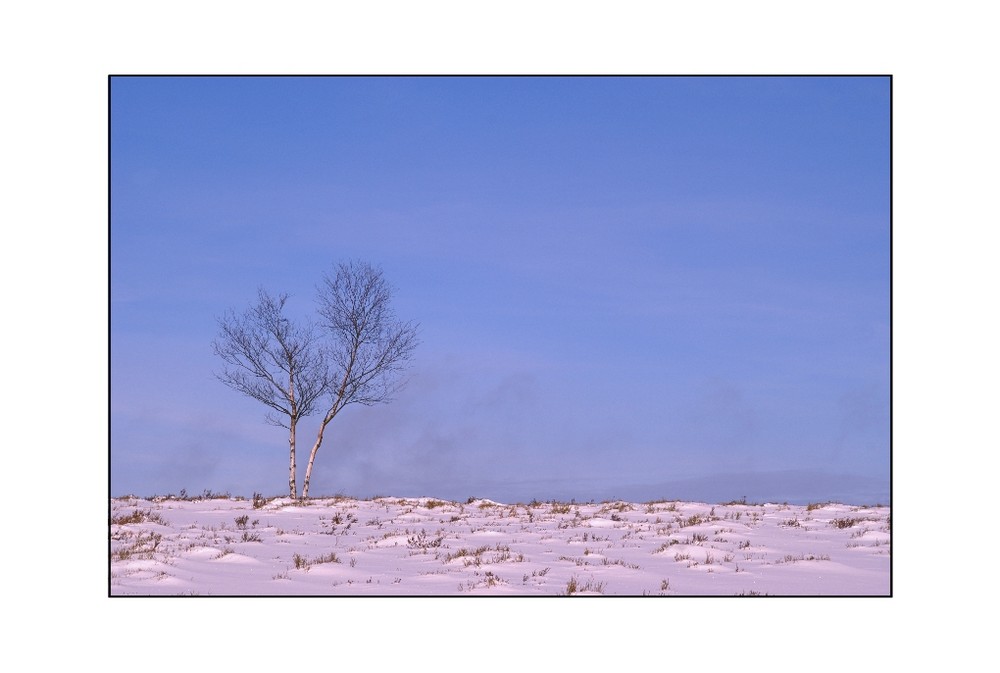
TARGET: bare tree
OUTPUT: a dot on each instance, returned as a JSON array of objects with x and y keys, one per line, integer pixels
[
  {"x": 368, "y": 348},
  {"x": 274, "y": 361}
]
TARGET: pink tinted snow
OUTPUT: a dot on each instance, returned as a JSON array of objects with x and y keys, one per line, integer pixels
[{"x": 399, "y": 546}]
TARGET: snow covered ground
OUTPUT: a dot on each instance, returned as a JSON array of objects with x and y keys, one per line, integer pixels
[{"x": 410, "y": 547}]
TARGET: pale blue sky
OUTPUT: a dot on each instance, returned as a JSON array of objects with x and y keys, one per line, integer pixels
[{"x": 627, "y": 287}]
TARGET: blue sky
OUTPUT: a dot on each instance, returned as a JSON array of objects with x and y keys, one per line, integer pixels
[{"x": 627, "y": 287}]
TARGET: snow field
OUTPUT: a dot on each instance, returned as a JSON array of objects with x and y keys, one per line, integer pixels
[{"x": 423, "y": 546}]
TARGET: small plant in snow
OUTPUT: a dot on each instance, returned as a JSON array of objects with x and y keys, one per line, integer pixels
[
  {"x": 574, "y": 587},
  {"x": 845, "y": 522},
  {"x": 137, "y": 516},
  {"x": 143, "y": 547},
  {"x": 666, "y": 545},
  {"x": 422, "y": 542}
]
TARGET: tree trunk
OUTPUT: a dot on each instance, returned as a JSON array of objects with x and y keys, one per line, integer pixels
[
  {"x": 312, "y": 457},
  {"x": 291, "y": 459}
]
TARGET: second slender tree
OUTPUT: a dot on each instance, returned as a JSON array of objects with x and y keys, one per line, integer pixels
[{"x": 367, "y": 348}]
